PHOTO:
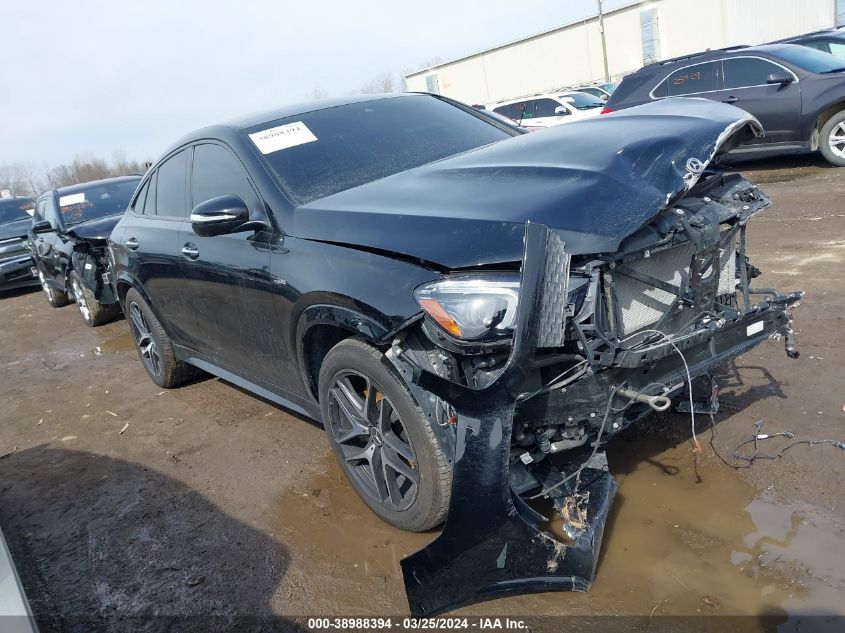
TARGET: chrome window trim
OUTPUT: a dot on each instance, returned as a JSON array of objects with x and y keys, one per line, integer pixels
[{"x": 720, "y": 60}]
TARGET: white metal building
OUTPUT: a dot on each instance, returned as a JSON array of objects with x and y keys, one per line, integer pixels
[{"x": 636, "y": 33}]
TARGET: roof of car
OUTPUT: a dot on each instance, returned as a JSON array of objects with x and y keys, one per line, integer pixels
[
  {"x": 766, "y": 49},
  {"x": 303, "y": 108},
  {"x": 18, "y": 198},
  {"x": 836, "y": 31},
  {"x": 81, "y": 186}
]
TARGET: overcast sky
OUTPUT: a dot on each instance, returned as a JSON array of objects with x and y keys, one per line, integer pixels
[{"x": 96, "y": 76}]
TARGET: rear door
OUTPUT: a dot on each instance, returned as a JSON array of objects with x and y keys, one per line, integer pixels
[
  {"x": 151, "y": 244},
  {"x": 777, "y": 107}
]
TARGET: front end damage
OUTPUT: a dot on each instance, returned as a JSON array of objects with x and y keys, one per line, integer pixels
[{"x": 599, "y": 341}]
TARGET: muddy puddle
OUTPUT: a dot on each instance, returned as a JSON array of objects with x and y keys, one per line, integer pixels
[
  {"x": 681, "y": 540},
  {"x": 120, "y": 343}
]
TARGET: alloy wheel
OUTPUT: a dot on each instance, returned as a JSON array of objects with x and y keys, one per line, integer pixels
[
  {"x": 373, "y": 440},
  {"x": 45, "y": 286},
  {"x": 144, "y": 339},
  {"x": 837, "y": 140},
  {"x": 81, "y": 303}
]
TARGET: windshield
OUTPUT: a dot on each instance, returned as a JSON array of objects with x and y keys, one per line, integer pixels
[
  {"x": 14, "y": 209},
  {"x": 811, "y": 59},
  {"x": 608, "y": 87},
  {"x": 317, "y": 154},
  {"x": 81, "y": 204},
  {"x": 582, "y": 101}
]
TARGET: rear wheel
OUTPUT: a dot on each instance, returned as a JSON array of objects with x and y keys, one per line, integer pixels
[
  {"x": 93, "y": 312},
  {"x": 154, "y": 346},
  {"x": 56, "y": 298},
  {"x": 383, "y": 442},
  {"x": 832, "y": 140}
]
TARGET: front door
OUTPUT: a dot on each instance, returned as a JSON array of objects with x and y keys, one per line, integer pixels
[{"x": 228, "y": 280}]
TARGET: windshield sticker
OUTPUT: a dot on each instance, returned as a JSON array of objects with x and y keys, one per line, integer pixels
[
  {"x": 74, "y": 198},
  {"x": 282, "y": 137}
]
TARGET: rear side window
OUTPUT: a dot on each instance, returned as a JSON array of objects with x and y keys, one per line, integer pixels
[
  {"x": 741, "y": 72},
  {"x": 138, "y": 206},
  {"x": 150, "y": 202},
  {"x": 171, "y": 199},
  {"x": 217, "y": 172},
  {"x": 690, "y": 80}
]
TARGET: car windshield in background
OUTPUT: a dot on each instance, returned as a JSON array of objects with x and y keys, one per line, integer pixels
[
  {"x": 98, "y": 201},
  {"x": 582, "y": 101},
  {"x": 608, "y": 87},
  {"x": 811, "y": 59},
  {"x": 339, "y": 148},
  {"x": 14, "y": 209}
]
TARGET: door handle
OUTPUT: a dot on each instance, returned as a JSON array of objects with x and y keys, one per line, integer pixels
[
  {"x": 190, "y": 251},
  {"x": 730, "y": 99},
  {"x": 132, "y": 243}
]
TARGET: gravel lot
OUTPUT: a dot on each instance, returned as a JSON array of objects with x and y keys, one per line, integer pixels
[{"x": 120, "y": 499}]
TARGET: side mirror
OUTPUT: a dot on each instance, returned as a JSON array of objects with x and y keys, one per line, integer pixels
[
  {"x": 42, "y": 226},
  {"x": 561, "y": 111},
  {"x": 218, "y": 216},
  {"x": 781, "y": 78}
]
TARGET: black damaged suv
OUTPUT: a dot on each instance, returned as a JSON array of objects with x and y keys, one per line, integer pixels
[
  {"x": 70, "y": 227},
  {"x": 472, "y": 312},
  {"x": 797, "y": 93},
  {"x": 16, "y": 269}
]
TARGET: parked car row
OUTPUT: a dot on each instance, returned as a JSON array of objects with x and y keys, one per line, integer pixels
[
  {"x": 794, "y": 87},
  {"x": 471, "y": 311}
]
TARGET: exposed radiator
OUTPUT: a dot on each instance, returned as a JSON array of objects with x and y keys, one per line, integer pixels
[{"x": 642, "y": 305}]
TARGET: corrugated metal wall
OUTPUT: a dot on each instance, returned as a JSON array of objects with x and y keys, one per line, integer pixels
[{"x": 572, "y": 54}]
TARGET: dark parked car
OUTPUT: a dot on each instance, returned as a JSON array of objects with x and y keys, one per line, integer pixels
[
  {"x": 457, "y": 302},
  {"x": 68, "y": 237},
  {"x": 797, "y": 93},
  {"x": 828, "y": 41},
  {"x": 16, "y": 269}
]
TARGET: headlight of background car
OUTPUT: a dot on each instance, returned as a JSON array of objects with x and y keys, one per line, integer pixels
[{"x": 471, "y": 308}]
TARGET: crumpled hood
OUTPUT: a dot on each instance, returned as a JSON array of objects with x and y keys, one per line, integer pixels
[
  {"x": 594, "y": 181},
  {"x": 95, "y": 229},
  {"x": 19, "y": 228}
]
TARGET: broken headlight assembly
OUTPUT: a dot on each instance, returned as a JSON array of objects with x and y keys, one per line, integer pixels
[{"x": 472, "y": 308}]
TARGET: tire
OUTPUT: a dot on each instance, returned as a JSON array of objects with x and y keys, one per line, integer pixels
[
  {"x": 153, "y": 344},
  {"x": 832, "y": 148},
  {"x": 414, "y": 477},
  {"x": 56, "y": 298},
  {"x": 93, "y": 312}
]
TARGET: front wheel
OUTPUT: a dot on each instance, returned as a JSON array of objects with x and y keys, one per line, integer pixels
[
  {"x": 383, "y": 442},
  {"x": 832, "y": 140},
  {"x": 93, "y": 312}
]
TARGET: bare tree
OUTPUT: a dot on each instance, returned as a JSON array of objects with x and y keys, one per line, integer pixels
[
  {"x": 318, "y": 93},
  {"x": 381, "y": 83},
  {"x": 28, "y": 180}
]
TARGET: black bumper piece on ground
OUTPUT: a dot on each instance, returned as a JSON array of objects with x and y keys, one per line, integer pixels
[{"x": 491, "y": 544}]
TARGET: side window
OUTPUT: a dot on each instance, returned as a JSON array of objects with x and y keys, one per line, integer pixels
[
  {"x": 545, "y": 107},
  {"x": 150, "y": 202},
  {"x": 523, "y": 110},
  {"x": 138, "y": 205},
  {"x": 503, "y": 110},
  {"x": 217, "y": 172},
  {"x": 171, "y": 198},
  {"x": 741, "y": 72},
  {"x": 51, "y": 214},
  {"x": 38, "y": 214},
  {"x": 692, "y": 80}
]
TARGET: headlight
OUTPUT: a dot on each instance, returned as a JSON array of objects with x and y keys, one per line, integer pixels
[{"x": 471, "y": 308}]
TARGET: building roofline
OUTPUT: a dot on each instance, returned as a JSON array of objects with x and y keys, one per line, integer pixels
[{"x": 593, "y": 16}]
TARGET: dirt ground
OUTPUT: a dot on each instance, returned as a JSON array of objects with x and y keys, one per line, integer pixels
[{"x": 120, "y": 499}]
